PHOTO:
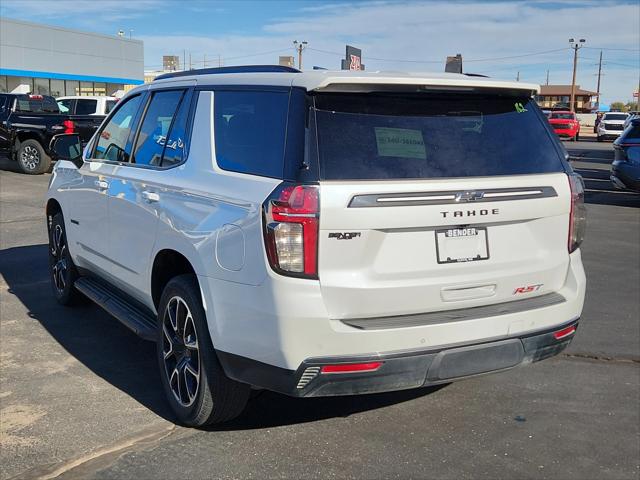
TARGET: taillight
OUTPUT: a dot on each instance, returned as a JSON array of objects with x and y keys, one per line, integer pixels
[
  {"x": 291, "y": 216},
  {"x": 69, "y": 126},
  {"x": 578, "y": 216}
]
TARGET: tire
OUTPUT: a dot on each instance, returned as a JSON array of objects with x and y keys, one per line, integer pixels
[
  {"x": 62, "y": 271},
  {"x": 599, "y": 138},
  {"x": 194, "y": 382},
  {"x": 577, "y": 137},
  {"x": 32, "y": 158}
]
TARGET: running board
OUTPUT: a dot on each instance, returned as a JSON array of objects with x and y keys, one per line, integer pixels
[{"x": 141, "y": 323}]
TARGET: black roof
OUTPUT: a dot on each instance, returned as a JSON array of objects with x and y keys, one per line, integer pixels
[{"x": 237, "y": 69}]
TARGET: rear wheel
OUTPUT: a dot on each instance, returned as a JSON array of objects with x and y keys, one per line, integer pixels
[
  {"x": 577, "y": 137},
  {"x": 32, "y": 158},
  {"x": 195, "y": 384}
]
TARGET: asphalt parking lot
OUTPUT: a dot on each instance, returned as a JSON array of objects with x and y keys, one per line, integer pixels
[{"x": 80, "y": 395}]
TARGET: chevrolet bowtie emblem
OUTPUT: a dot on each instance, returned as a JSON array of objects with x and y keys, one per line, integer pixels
[{"x": 469, "y": 196}]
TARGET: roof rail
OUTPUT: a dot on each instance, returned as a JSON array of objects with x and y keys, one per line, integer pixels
[{"x": 237, "y": 69}]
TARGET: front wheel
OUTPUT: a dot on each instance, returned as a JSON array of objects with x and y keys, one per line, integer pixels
[
  {"x": 194, "y": 382},
  {"x": 32, "y": 158}
]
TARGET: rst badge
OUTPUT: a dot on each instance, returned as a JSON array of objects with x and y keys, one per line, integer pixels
[{"x": 527, "y": 289}]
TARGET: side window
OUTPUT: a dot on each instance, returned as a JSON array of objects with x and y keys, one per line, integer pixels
[
  {"x": 155, "y": 127},
  {"x": 112, "y": 141},
  {"x": 109, "y": 104},
  {"x": 174, "y": 149},
  {"x": 86, "y": 106},
  {"x": 65, "y": 105},
  {"x": 250, "y": 128}
]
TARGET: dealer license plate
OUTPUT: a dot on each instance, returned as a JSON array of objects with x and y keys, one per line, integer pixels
[{"x": 455, "y": 245}]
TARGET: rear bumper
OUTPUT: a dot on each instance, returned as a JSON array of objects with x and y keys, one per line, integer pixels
[
  {"x": 625, "y": 175},
  {"x": 401, "y": 370}
]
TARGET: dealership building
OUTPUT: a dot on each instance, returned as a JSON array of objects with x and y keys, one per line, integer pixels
[{"x": 58, "y": 61}]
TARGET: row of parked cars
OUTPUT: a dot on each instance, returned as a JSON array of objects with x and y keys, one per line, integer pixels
[
  {"x": 623, "y": 128},
  {"x": 28, "y": 123}
]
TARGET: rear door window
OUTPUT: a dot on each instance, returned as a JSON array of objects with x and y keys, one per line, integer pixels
[
  {"x": 86, "y": 106},
  {"x": 37, "y": 104},
  {"x": 250, "y": 129},
  {"x": 418, "y": 136},
  {"x": 155, "y": 127}
]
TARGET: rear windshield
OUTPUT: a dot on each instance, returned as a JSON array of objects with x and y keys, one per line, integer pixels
[
  {"x": 39, "y": 103},
  {"x": 615, "y": 116},
  {"x": 415, "y": 136},
  {"x": 562, "y": 116}
]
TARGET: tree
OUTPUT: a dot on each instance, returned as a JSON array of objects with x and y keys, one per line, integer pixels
[
  {"x": 632, "y": 106},
  {"x": 617, "y": 107}
]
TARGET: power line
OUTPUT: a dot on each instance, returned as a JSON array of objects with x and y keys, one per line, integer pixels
[
  {"x": 619, "y": 49},
  {"x": 440, "y": 61}
]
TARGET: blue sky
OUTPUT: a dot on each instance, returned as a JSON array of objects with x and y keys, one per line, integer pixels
[{"x": 393, "y": 35}]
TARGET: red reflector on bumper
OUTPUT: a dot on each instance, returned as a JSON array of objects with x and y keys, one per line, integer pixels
[
  {"x": 565, "y": 332},
  {"x": 352, "y": 367}
]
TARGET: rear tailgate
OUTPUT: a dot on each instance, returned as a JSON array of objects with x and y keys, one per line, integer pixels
[
  {"x": 437, "y": 202},
  {"x": 381, "y": 258}
]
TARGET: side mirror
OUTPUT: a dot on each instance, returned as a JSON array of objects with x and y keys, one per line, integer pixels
[{"x": 67, "y": 146}]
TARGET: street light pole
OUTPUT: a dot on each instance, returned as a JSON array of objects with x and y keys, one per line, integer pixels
[
  {"x": 576, "y": 46},
  {"x": 300, "y": 46}
]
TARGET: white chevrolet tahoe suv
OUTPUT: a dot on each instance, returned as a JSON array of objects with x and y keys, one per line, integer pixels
[{"x": 322, "y": 233}]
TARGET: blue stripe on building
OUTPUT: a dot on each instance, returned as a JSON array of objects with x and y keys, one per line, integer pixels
[{"x": 67, "y": 76}]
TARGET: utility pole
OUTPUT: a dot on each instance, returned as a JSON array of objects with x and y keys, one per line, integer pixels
[
  {"x": 190, "y": 65},
  {"x": 575, "y": 46},
  {"x": 219, "y": 60},
  {"x": 518, "y": 77},
  {"x": 300, "y": 46},
  {"x": 204, "y": 61},
  {"x": 184, "y": 59},
  {"x": 547, "y": 77},
  {"x": 599, "y": 75}
]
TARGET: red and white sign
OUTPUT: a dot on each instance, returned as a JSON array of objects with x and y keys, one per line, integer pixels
[{"x": 355, "y": 63}]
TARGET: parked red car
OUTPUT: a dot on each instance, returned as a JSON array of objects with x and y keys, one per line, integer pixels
[{"x": 565, "y": 124}]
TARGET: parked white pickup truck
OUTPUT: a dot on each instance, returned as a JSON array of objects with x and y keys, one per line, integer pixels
[{"x": 89, "y": 105}]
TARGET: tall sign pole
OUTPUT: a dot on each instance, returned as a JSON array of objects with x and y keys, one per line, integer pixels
[{"x": 599, "y": 75}]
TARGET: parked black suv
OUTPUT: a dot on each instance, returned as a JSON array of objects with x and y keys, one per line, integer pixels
[{"x": 27, "y": 124}]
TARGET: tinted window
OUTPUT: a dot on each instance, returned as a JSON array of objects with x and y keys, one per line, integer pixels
[
  {"x": 562, "y": 116},
  {"x": 109, "y": 104},
  {"x": 86, "y": 107},
  {"x": 398, "y": 136},
  {"x": 37, "y": 103},
  {"x": 175, "y": 146},
  {"x": 65, "y": 105},
  {"x": 155, "y": 127},
  {"x": 112, "y": 141},
  {"x": 250, "y": 130},
  {"x": 615, "y": 116}
]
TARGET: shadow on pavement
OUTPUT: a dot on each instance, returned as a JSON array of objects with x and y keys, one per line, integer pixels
[
  {"x": 273, "y": 410},
  {"x": 128, "y": 363}
]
